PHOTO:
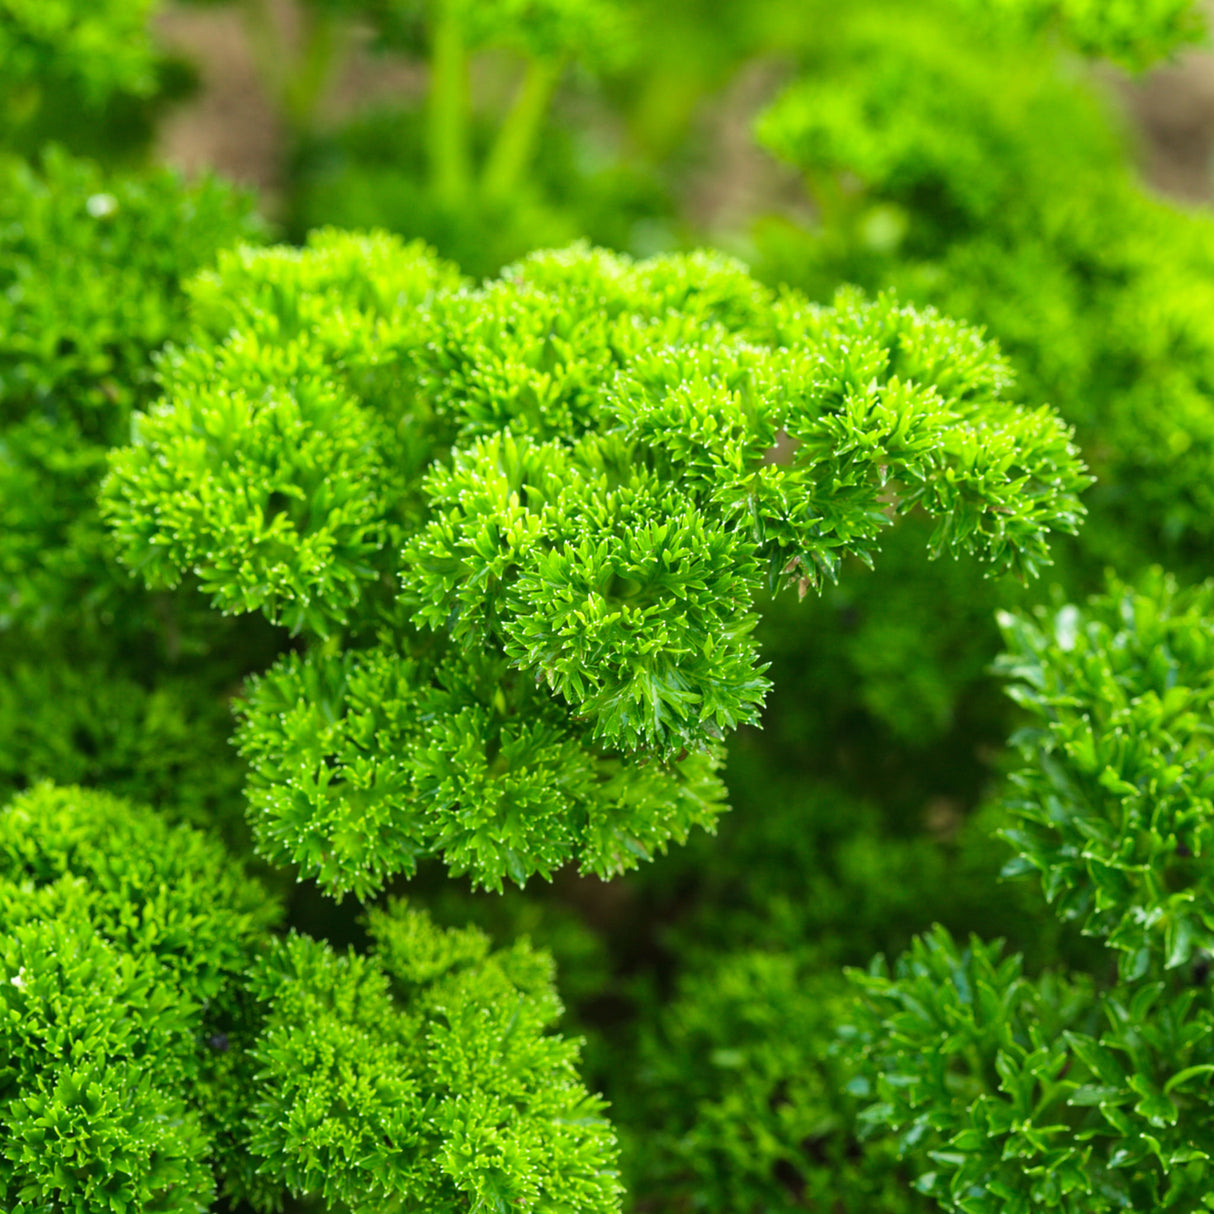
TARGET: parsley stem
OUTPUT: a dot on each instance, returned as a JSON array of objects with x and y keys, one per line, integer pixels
[
  {"x": 448, "y": 114},
  {"x": 516, "y": 137}
]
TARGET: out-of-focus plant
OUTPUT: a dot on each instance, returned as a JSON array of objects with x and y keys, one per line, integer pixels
[
  {"x": 99, "y": 46},
  {"x": 453, "y": 160},
  {"x": 99, "y": 682},
  {"x": 1132, "y": 33},
  {"x": 747, "y": 1106},
  {"x": 85, "y": 74}
]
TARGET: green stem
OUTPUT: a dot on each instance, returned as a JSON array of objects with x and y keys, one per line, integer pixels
[
  {"x": 295, "y": 82},
  {"x": 265, "y": 42},
  {"x": 516, "y": 137},
  {"x": 308, "y": 80},
  {"x": 448, "y": 116}
]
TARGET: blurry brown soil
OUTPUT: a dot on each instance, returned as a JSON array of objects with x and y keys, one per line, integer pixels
[
  {"x": 230, "y": 125},
  {"x": 738, "y": 179},
  {"x": 1172, "y": 108}
]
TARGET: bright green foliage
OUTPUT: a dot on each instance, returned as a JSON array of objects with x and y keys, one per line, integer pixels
[
  {"x": 152, "y": 1032},
  {"x": 278, "y": 485},
  {"x": 1113, "y": 804},
  {"x": 344, "y": 289},
  {"x": 1074, "y": 1093},
  {"x": 120, "y": 942},
  {"x": 1017, "y": 1096},
  {"x": 99, "y": 682},
  {"x": 507, "y": 560},
  {"x": 464, "y": 1101},
  {"x": 99, "y": 45},
  {"x": 1131, "y": 33},
  {"x": 363, "y": 763},
  {"x": 640, "y": 448},
  {"x": 749, "y": 1100},
  {"x": 104, "y": 1132},
  {"x": 969, "y": 173},
  {"x": 972, "y": 174},
  {"x": 89, "y": 287},
  {"x": 968, "y": 1062},
  {"x": 980, "y": 172},
  {"x": 799, "y": 880}
]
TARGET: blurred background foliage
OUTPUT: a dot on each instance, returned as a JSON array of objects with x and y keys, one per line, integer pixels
[{"x": 1000, "y": 161}]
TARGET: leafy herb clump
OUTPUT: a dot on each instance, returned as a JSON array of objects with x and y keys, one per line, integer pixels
[
  {"x": 162, "y": 1044},
  {"x": 523, "y": 527},
  {"x": 102, "y": 683},
  {"x": 1076, "y": 1091}
]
